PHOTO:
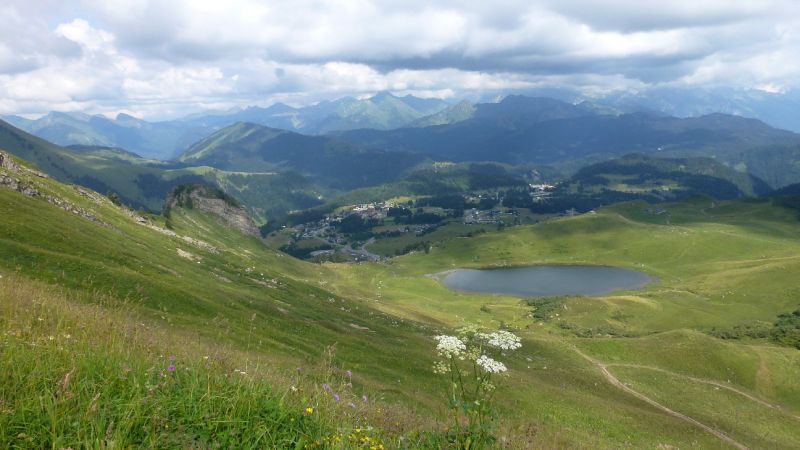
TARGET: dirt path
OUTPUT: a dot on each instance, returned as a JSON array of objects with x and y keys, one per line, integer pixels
[
  {"x": 619, "y": 384},
  {"x": 706, "y": 381}
]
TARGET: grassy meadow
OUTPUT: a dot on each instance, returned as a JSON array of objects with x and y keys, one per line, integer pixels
[
  {"x": 715, "y": 266},
  {"x": 121, "y": 334}
]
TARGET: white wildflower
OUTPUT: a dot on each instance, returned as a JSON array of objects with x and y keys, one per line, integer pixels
[
  {"x": 440, "y": 367},
  {"x": 490, "y": 365},
  {"x": 450, "y": 346},
  {"x": 503, "y": 340}
]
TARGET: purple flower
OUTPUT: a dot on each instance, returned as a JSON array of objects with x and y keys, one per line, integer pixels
[
  {"x": 172, "y": 357},
  {"x": 171, "y": 368},
  {"x": 365, "y": 398},
  {"x": 349, "y": 373},
  {"x": 336, "y": 397},
  {"x": 326, "y": 387}
]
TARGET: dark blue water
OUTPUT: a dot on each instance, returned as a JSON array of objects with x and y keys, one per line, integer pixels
[{"x": 541, "y": 281}]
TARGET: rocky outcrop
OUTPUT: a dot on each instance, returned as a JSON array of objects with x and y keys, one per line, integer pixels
[
  {"x": 10, "y": 173},
  {"x": 213, "y": 201},
  {"x": 7, "y": 163},
  {"x": 8, "y": 177}
]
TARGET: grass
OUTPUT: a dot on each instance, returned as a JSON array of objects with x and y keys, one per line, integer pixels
[
  {"x": 391, "y": 246},
  {"x": 77, "y": 375},
  {"x": 747, "y": 421},
  {"x": 716, "y": 265},
  {"x": 126, "y": 296}
]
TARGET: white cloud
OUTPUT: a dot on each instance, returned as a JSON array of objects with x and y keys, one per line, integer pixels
[{"x": 168, "y": 57}]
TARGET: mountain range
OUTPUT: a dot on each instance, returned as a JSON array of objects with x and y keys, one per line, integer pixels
[
  {"x": 521, "y": 130},
  {"x": 273, "y": 171},
  {"x": 167, "y": 139},
  {"x": 778, "y": 108},
  {"x": 144, "y": 183}
]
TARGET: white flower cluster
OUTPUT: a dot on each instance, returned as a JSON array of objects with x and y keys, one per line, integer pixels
[
  {"x": 489, "y": 365},
  {"x": 503, "y": 340},
  {"x": 441, "y": 367},
  {"x": 450, "y": 346}
]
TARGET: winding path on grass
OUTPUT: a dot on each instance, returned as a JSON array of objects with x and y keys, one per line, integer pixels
[
  {"x": 619, "y": 384},
  {"x": 706, "y": 381}
]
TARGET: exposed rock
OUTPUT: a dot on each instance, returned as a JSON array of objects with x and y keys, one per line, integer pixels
[
  {"x": 69, "y": 207},
  {"x": 359, "y": 327},
  {"x": 8, "y": 166},
  {"x": 196, "y": 242},
  {"x": 213, "y": 201},
  {"x": 7, "y": 163},
  {"x": 187, "y": 255},
  {"x": 17, "y": 185},
  {"x": 91, "y": 195}
]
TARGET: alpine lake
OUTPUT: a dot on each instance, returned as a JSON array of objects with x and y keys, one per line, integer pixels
[{"x": 545, "y": 280}]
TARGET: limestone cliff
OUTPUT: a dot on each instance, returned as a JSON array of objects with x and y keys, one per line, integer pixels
[{"x": 213, "y": 201}]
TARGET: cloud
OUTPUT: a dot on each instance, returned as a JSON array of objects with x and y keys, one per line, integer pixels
[
  {"x": 27, "y": 43},
  {"x": 160, "y": 58}
]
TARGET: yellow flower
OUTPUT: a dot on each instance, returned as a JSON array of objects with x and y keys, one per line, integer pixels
[{"x": 309, "y": 410}]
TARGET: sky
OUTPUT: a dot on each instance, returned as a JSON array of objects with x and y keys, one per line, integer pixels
[{"x": 165, "y": 58}]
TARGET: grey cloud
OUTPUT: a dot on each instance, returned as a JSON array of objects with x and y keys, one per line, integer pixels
[
  {"x": 164, "y": 32},
  {"x": 26, "y": 42},
  {"x": 269, "y": 50},
  {"x": 631, "y": 16}
]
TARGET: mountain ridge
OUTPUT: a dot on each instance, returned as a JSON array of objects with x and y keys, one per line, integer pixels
[
  {"x": 571, "y": 136},
  {"x": 167, "y": 139}
]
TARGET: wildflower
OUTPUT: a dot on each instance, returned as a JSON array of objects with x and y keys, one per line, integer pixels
[
  {"x": 336, "y": 397},
  {"x": 351, "y": 404},
  {"x": 503, "y": 340},
  {"x": 309, "y": 410},
  {"x": 293, "y": 388},
  {"x": 450, "y": 346},
  {"x": 365, "y": 398},
  {"x": 440, "y": 367},
  {"x": 171, "y": 368},
  {"x": 326, "y": 387},
  {"x": 172, "y": 357},
  {"x": 489, "y": 365},
  {"x": 349, "y": 373}
]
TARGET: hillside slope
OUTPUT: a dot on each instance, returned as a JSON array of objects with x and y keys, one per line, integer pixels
[
  {"x": 145, "y": 183},
  {"x": 337, "y": 164},
  {"x": 671, "y": 177},
  {"x": 545, "y": 131},
  {"x": 166, "y": 139},
  {"x": 718, "y": 266}
]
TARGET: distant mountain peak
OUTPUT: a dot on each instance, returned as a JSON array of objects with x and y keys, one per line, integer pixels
[
  {"x": 55, "y": 115},
  {"x": 278, "y": 108},
  {"x": 382, "y": 95}
]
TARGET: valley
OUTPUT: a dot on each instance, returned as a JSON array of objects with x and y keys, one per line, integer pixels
[
  {"x": 665, "y": 365},
  {"x": 382, "y": 225}
]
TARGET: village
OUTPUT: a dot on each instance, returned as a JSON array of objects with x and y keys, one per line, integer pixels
[{"x": 401, "y": 225}]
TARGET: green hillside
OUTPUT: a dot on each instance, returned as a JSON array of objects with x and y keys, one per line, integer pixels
[
  {"x": 95, "y": 300},
  {"x": 167, "y": 139},
  {"x": 663, "y": 179},
  {"x": 529, "y": 130},
  {"x": 145, "y": 183},
  {"x": 248, "y": 147},
  {"x": 453, "y": 114}
]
